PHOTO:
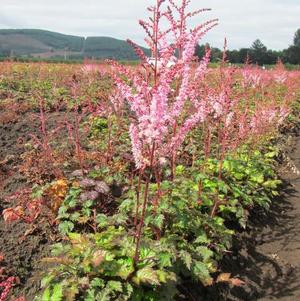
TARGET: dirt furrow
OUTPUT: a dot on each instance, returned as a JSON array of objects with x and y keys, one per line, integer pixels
[{"x": 267, "y": 256}]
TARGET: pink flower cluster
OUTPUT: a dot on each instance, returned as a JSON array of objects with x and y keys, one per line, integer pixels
[
  {"x": 6, "y": 285},
  {"x": 266, "y": 117},
  {"x": 171, "y": 92},
  {"x": 254, "y": 76},
  {"x": 164, "y": 95}
]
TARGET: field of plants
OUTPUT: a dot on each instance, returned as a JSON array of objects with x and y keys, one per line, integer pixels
[{"x": 142, "y": 182}]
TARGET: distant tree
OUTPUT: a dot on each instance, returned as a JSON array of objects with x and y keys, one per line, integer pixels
[
  {"x": 233, "y": 56},
  {"x": 200, "y": 51},
  {"x": 243, "y": 54},
  {"x": 271, "y": 57},
  {"x": 216, "y": 54},
  {"x": 297, "y": 38},
  {"x": 257, "y": 45},
  {"x": 292, "y": 55},
  {"x": 258, "y": 52}
]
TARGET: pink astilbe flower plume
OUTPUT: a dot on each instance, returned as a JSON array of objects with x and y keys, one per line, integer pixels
[{"x": 159, "y": 96}]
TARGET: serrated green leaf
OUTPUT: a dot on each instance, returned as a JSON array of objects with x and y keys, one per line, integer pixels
[
  {"x": 165, "y": 259},
  {"x": 238, "y": 175},
  {"x": 126, "y": 268},
  {"x": 127, "y": 205},
  {"x": 97, "y": 282},
  {"x": 104, "y": 295},
  {"x": 186, "y": 258},
  {"x": 128, "y": 290},
  {"x": 146, "y": 275},
  {"x": 271, "y": 154},
  {"x": 201, "y": 239},
  {"x": 74, "y": 216},
  {"x": 205, "y": 252},
  {"x": 201, "y": 271},
  {"x": 102, "y": 220},
  {"x": 65, "y": 227},
  {"x": 158, "y": 221},
  {"x": 115, "y": 286},
  {"x": 57, "y": 249}
]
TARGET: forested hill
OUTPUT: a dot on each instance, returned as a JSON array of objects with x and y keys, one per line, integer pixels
[
  {"x": 43, "y": 44},
  {"x": 48, "y": 44}
]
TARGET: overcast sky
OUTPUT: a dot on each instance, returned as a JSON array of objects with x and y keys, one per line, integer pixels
[{"x": 274, "y": 22}]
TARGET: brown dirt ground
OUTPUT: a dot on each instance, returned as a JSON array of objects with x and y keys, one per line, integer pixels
[{"x": 22, "y": 256}]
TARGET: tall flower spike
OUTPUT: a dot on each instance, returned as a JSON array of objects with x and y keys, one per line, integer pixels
[{"x": 165, "y": 98}]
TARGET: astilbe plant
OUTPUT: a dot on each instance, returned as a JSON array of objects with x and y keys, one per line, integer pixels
[
  {"x": 163, "y": 96},
  {"x": 27, "y": 209}
]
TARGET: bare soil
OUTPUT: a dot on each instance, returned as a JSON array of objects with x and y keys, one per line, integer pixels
[{"x": 22, "y": 256}]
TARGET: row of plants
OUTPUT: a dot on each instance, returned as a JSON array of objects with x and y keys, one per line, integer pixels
[{"x": 184, "y": 237}]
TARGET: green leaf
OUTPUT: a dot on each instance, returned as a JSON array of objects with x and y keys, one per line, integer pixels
[
  {"x": 127, "y": 205},
  {"x": 275, "y": 193},
  {"x": 201, "y": 239},
  {"x": 165, "y": 259},
  {"x": 74, "y": 216},
  {"x": 238, "y": 175},
  {"x": 222, "y": 187},
  {"x": 162, "y": 276},
  {"x": 97, "y": 282},
  {"x": 128, "y": 290},
  {"x": 65, "y": 227},
  {"x": 227, "y": 165},
  {"x": 126, "y": 268},
  {"x": 57, "y": 293},
  {"x": 102, "y": 220},
  {"x": 180, "y": 170},
  {"x": 146, "y": 253},
  {"x": 258, "y": 178},
  {"x": 205, "y": 253},
  {"x": 201, "y": 271},
  {"x": 146, "y": 275},
  {"x": 104, "y": 295},
  {"x": 46, "y": 295},
  {"x": 272, "y": 184},
  {"x": 72, "y": 203},
  {"x": 88, "y": 204},
  {"x": 63, "y": 212},
  {"x": 115, "y": 286},
  {"x": 219, "y": 220},
  {"x": 186, "y": 258},
  {"x": 158, "y": 221},
  {"x": 57, "y": 249},
  {"x": 46, "y": 280},
  {"x": 211, "y": 184},
  {"x": 271, "y": 154},
  {"x": 75, "y": 237},
  {"x": 165, "y": 185}
]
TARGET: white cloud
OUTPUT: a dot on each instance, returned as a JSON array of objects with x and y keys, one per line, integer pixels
[{"x": 272, "y": 21}]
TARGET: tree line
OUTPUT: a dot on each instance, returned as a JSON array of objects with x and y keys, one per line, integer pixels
[{"x": 258, "y": 53}]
